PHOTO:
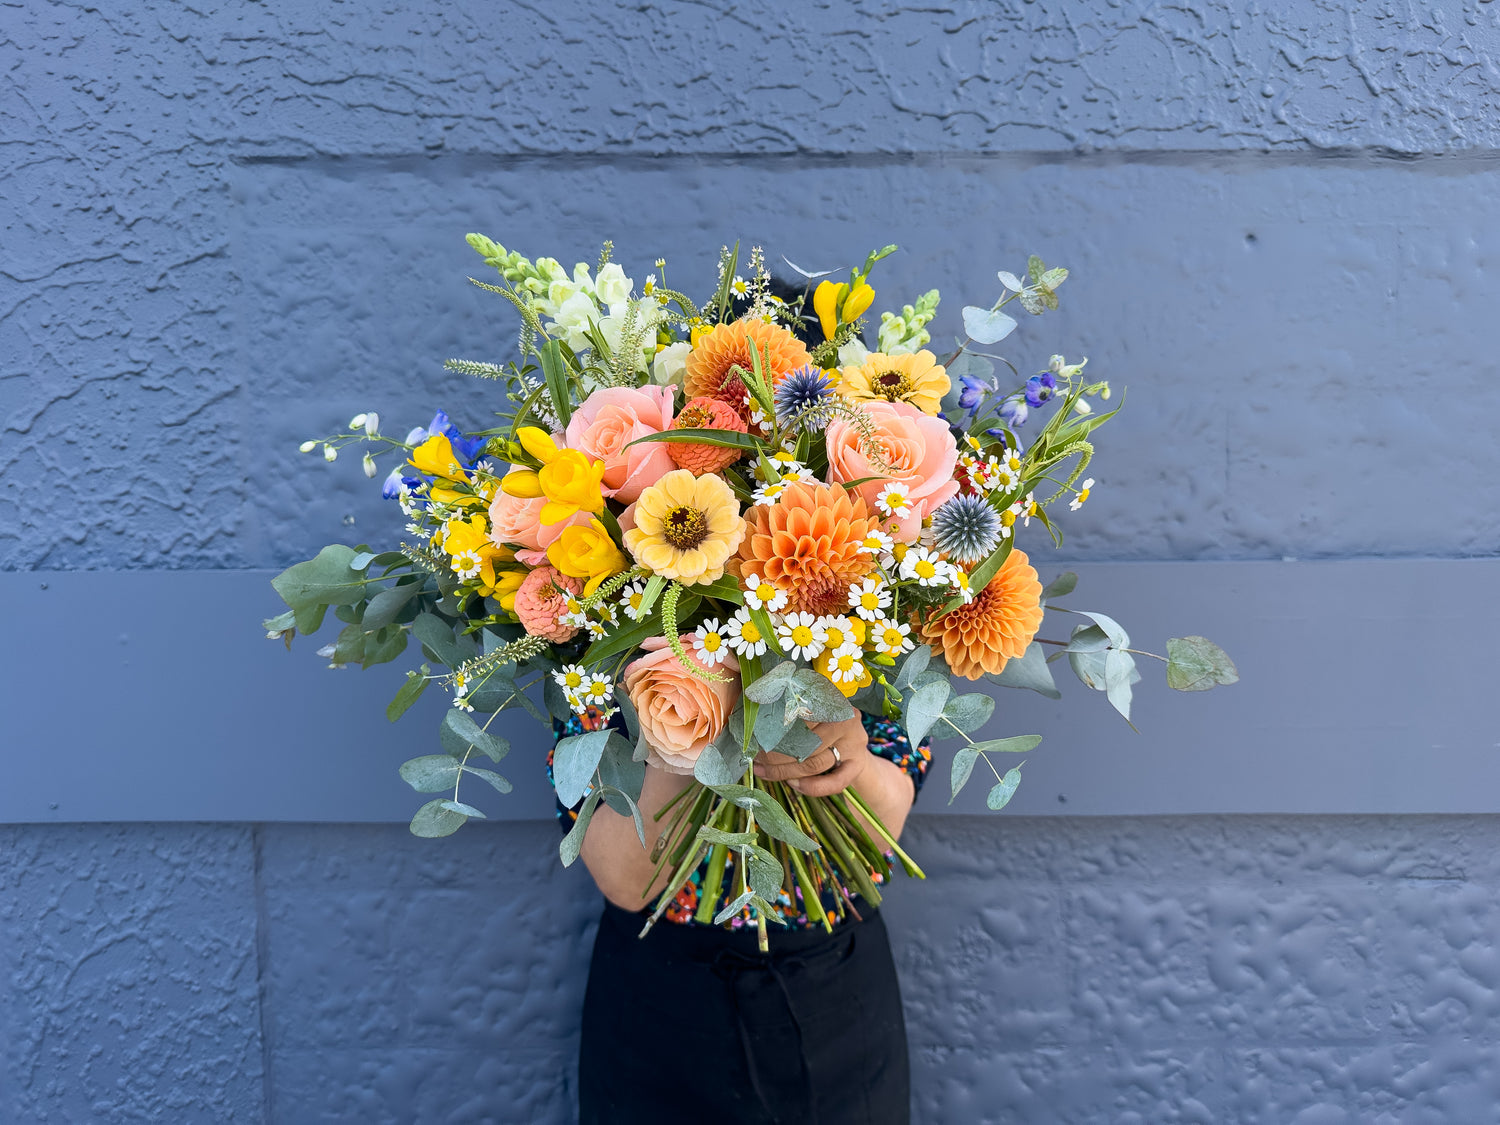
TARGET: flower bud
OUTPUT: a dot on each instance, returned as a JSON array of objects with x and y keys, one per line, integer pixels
[
  {"x": 369, "y": 466},
  {"x": 1082, "y": 407},
  {"x": 356, "y": 422},
  {"x": 330, "y": 453},
  {"x": 307, "y": 447},
  {"x": 372, "y": 424}
]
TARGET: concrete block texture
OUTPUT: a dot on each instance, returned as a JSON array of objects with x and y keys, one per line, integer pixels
[{"x": 1144, "y": 970}]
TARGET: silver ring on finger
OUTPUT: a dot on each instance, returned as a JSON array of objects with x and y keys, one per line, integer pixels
[{"x": 837, "y": 760}]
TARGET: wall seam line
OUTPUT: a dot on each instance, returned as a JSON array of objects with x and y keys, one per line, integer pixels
[{"x": 262, "y": 969}]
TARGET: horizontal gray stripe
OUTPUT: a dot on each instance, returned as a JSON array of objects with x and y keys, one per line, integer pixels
[{"x": 152, "y": 695}]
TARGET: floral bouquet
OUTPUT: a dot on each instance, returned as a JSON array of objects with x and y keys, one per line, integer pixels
[{"x": 701, "y": 528}]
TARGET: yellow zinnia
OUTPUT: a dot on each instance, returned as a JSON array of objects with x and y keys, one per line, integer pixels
[
  {"x": 918, "y": 379},
  {"x": 686, "y": 527}
]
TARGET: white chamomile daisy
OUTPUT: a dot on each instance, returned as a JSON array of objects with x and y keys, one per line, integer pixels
[
  {"x": 744, "y": 635},
  {"x": 709, "y": 642},
  {"x": 891, "y": 637},
  {"x": 894, "y": 500},
  {"x": 768, "y": 494},
  {"x": 598, "y": 690},
  {"x": 1008, "y": 518},
  {"x": 1029, "y": 508},
  {"x": 846, "y": 667},
  {"x": 801, "y": 636},
  {"x": 631, "y": 598},
  {"x": 739, "y": 286},
  {"x": 1083, "y": 494},
  {"x": 869, "y": 597},
  {"x": 923, "y": 567},
  {"x": 467, "y": 564},
  {"x": 838, "y": 631},
  {"x": 596, "y": 629},
  {"x": 876, "y": 543},
  {"x": 760, "y": 594},
  {"x": 571, "y": 678}
]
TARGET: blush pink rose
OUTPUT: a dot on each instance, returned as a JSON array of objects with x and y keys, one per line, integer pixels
[
  {"x": 680, "y": 714},
  {"x": 518, "y": 523},
  {"x": 919, "y": 450},
  {"x": 608, "y": 421}
]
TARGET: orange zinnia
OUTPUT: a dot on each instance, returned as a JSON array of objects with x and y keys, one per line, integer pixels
[
  {"x": 710, "y": 365},
  {"x": 808, "y": 544},
  {"x": 996, "y": 626}
]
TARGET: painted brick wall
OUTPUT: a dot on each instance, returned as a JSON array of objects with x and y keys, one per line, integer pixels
[{"x": 229, "y": 227}]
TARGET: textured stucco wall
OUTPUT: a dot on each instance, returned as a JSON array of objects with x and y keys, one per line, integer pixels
[
  {"x": 230, "y": 226},
  {"x": 1138, "y": 970}
]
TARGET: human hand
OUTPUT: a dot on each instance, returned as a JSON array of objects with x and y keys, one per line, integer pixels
[{"x": 841, "y": 757}]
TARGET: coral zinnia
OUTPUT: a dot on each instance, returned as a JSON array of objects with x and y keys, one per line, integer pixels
[
  {"x": 808, "y": 544},
  {"x": 705, "y": 414},
  {"x": 918, "y": 379},
  {"x": 686, "y": 527},
  {"x": 996, "y": 626},
  {"x": 710, "y": 365}
]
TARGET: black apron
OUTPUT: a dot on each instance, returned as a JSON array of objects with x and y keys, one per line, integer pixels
[{"x": 694, "y": 1023}]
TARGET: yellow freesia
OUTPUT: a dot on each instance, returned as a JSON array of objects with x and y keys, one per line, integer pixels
[
  {"x": 826, "y": 305},
  {"x": 469, "y": 539},
  {"x": 507, "y": 582},
  {"x": 587, "y": 552},
  {"x": 856, "y": 302},
  {"x": 521, "y": 483},
  {"x": 435, "y": 457},
  {"x": 571, "y": 483},
  {"x": 538, "y": 443}
]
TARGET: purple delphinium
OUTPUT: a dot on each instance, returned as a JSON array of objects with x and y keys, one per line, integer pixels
[
  {"x": 974, "y": 392},
  {"x": 1013, "y": 412},
  {"x": 1039, "y": 388}
]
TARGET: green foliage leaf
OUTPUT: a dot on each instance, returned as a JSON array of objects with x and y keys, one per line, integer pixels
[
  {"x": 459, "y": 733},
  {"x": 431, "y": 773},
  {"x": 624, "y": 804},
  {"x": 631, "y": 636},
  {"x": 1060, "y": 587},
  {"x": 1004, "y": 789},
  {"x": 798, "y": 741},
  {"x": 987, "y": 326},
  {"x": 922, "y": 708},
  {"x": 326, "y": 579},
  {"x": 969, "y": 712},
  {"x": 763, "y": 872},
  {"x": 811, "y": 695},
  {"x": 733, "y": 908},
  {"x": 963, "y": 766},
  {"x": 350, "y": 647},
  {"x": 460, "y": 807},
  {"x": 409, "y": 693},
  {"x": 770, "y": 817},
  {"x": 385, "y": 605},
  {"x": 710, "y": 835},
  {"x": 1112, "y": 628},
  {"x": 722, "y": 763},
  {"x": 913, "y": 666},
  {"x": 1197, "y": 664},
  {"x": 729, "y": 439},
  {"x": 500, "y": 784},
  {"x": 437, "y": 637},
  {"x": 384, "y": 646},
  {"x": 771, "y": 686},
  {"x": 619, "y": 770},
  {"x": 574, "y": 762},
  {"x": 1030, "y": 671},
  {"x": 572, "y": 843},
  {"x": 435, "y": 819},
  {"x": 1015, "y": 744},
  {"x": 309, "y": 618},
  {"x": 555, "y": 374},
  {"x": 726, "y": 589},
  {"x": 1120, "y": 673}
]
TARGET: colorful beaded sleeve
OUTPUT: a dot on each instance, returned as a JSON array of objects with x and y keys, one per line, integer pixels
[{"x": 887, "y": 740}]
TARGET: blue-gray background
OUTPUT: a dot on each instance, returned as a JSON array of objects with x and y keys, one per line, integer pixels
[{"x": 230, "y": 227}]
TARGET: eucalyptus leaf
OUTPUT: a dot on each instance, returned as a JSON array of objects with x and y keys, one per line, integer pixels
[
  {"x": 1029, "y": 671},
  {"x": 914, "y": 665},
  {"x": 770, "y": 724},
  {"x": 1119, "y": 673},
  {"x": 987, "y": 326},
  {"x": 1015, "y": 744},
  {"x": 350, "y": 647},
  {"x": 811, "y": 695},
  {"x": 572, "y": 843},
  {"x": 574, "y": 761},
  {"x": 1011, "y": 281},
  {"x": 407, "y": 694},
  {"x": 500, "y": 784},
  {"x": 1004, "y": 789},
  {"x": 309, "y": 618},
  {"x": 385, "y": 605},
  {"x": 771, "y": 686},
  {"x": 362, "y": 560},
  {"x": 963, "y": 766},
  {"x": 1088, "y": 638},
  {"x": 923, "y": 708},
  {"x": 384, "y": 646},
  {"x": 799, "y": 741},
  {"x": 326, "y": 579},
  {"x": 459, "y": 734},
  {"x": 618, "y": 769},
  {"x": 1197, "y": 664},
  {"x": 556, "y": 699},
  {"x": 721, "y": 762},
  {"x": 770, "y": 817},
  {"x": 969, "y": 712},
  {"x": 1112, "y": 628},
  {"x": 435, "y": 819},
  {"x": 733, "y": 908},
  {"x": 437, "y": 637},
  {"x": 763, "y": 872},
  {"x": 711, "y": 835},
  {"x": 431, "y": 773},
  {"x": 624, "y": 804},
  {"x": 1061, "y": 586},
  {"x": 460, "y": 807}
]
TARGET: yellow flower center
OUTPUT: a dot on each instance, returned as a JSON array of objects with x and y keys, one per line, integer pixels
[
  {"x": 765, "y": 591},
  {"x": 802, "y": 636},
  {"x": 749, "y": 632},
  {"x": 684, "y": 527},
  {"x": 712, "y": 642},
  {"x": 892, "y": 386},
  {"x": 870, "y": 599},
  {"x": 892, "y": 638},
  {"x": 693, "y": 418},
  {"x": 1007, "y": 517},
  {"x": 846, "y": 662},
  {"x": 835, "y": 636},
  {"x": 1083, "y": 494},
  {"x": 925, "y": 569},
  {"x": 573, "y": 679}
]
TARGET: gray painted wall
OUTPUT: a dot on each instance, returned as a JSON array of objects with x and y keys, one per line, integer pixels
[{"x": 229, "y": 227}]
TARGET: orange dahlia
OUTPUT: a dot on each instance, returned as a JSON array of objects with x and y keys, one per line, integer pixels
[
  {"x": 705, "y": 414},
  {"x": 710, "y": 365},
  {"x": 808, "y": 544},
  {"x": 996, "y": 626}
]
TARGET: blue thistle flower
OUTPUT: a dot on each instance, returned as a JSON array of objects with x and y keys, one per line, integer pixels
[
  {"x": 803, "y": 393},
  {"x": 966, "y": 529}
]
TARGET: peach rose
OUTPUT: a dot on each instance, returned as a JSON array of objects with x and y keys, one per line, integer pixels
[
  {"x": 517, "y": 523},
  {"x": 608, "y": 421},
  {"x": 680, "y": 714},
  {"x": 919, "y": 449}
]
